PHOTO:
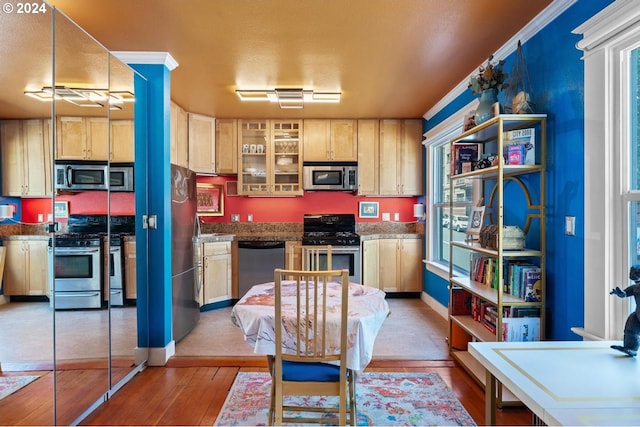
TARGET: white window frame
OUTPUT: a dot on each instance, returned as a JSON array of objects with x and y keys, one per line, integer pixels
[
  {"x": 441, "y": 134},
  {"x": 609, "y": 36}
]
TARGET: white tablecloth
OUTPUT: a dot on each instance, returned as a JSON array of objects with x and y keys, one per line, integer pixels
[{"x": 368, "y": 308}]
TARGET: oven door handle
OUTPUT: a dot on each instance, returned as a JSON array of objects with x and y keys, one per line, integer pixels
[
  {"x": 76, "y": 294},
  {"x": 75, "y": 251}
]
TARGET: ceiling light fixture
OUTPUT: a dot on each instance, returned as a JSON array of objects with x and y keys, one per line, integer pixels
[
  {"x": 289, "y": 98},
  {"x": 82, "y": 97}
]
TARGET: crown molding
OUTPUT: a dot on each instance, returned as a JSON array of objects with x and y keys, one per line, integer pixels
[{"x": 159, "y": 58}]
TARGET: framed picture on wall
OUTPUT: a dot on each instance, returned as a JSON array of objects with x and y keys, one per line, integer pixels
[
  {"x": 368, "y": 210},
  {"x": 210, "y": 199},
  {"x": 61, "y": 209}
]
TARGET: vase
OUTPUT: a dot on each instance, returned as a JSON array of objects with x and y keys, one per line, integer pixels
[{"x": 484, "y": 112}]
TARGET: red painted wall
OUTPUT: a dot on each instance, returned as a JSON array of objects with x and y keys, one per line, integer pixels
[
  {"x": 264, "y": 209},
  {"x": 292, "y": 209}
]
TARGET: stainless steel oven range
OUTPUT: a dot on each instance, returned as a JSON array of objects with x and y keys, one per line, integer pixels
[
  {"x": 80, "y": 277},
  {"x": 339, "y": 231},
  {"x": 77, "y": 269}
]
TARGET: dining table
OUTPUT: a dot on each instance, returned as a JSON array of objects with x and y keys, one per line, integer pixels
[{"x": 254, "y": 313}]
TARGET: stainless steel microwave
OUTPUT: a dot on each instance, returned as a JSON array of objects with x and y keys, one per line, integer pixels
[
  {"x": 88, "y": 176},
  {"x": 330, "y": 176}
]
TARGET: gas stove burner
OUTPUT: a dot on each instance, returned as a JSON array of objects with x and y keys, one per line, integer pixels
[{"x": 330, "y": 229}]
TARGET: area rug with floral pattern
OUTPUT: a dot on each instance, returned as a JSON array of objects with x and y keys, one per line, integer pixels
[
  {"x": 383, "y": 398},
  {"x": 11, "y": 384}
]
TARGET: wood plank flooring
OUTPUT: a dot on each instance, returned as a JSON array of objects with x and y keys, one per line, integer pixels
[{"x": 191, "y": 391}]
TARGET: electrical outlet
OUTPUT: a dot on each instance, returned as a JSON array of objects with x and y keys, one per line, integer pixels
[
  {"x": 235, "y": 217},
  {"x": 386, "y": 216},
  {"x": 40, "y": 217},
  {"x": 396, "y": 216},
  {"x": 250, "y": 218}
]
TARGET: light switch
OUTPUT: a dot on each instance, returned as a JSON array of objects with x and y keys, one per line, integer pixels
[
  {"x": 570, "y": 225},
  {"x": 386, "y": 216},
  {"x": 235, "y": 217}
]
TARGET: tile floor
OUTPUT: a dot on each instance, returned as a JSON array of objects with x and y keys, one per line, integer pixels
[{"x": 412, "y": 331}]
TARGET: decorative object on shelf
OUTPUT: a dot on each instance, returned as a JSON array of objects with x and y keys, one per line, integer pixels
[
  {"x": 487, "y": 160},
  {"x": 61, "y": 209},
  {"x": 487, "y": 83},
  {"x": 476, "y": 220},
  {"x": 520, "y": 85},
  {"x": 489, "y": 236},
  {"x": 631, "y": 339}
]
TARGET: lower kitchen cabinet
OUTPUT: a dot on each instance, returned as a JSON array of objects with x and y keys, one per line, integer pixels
[
  {"x": 26, "y": 267},
  {"x": 217, "y": 271},
  {"x": 393, "y": 265},
  {"x": 130, "y": 270}
]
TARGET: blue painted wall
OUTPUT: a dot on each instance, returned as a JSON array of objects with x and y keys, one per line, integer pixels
[{"x": 557, "y": 78}]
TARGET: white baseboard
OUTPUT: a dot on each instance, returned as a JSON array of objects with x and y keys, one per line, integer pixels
[
  {"x": 159, "y": 356},
  {"x": 435, "y": 305}
]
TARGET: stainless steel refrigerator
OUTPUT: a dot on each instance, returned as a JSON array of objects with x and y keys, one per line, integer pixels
[{"x": 184, "y": 274}]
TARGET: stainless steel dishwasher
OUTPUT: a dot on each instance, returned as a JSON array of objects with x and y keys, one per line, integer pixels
[{"x": 256, "y": 262}]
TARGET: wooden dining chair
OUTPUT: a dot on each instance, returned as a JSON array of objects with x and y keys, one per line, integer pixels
[
  {"x": 315, "y": 364},
  {"x": 311, "y": 256}
]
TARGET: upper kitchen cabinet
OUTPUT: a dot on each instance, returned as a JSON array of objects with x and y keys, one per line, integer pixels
[
  {"x": 227, "y": 146},
  {"x": 269, "y": 157},
  {"x": 179, "y": 136},
  {"x": 400, "y": 157},
  {"x": 368, "y": 157},
  {"x": 122, "y": 148},
  {"x": 26, "y": 158},
  {"x": 202, "y": 141},
  {"x": 330, "y": 140},
  {"x": 82, "y": 138}
]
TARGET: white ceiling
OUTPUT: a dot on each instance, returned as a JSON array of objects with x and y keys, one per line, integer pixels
[{"x": 389, "y": 58}]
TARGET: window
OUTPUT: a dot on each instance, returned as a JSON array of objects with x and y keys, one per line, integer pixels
[
  {"x": 439, "y": 195},
  {"x": 612, "y": 203}
]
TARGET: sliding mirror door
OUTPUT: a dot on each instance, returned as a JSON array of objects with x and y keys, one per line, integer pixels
[
  {"x": 80, "y": 300},
  {"x": 123, "y": 304},
  {"x": 26, "y": 321}
]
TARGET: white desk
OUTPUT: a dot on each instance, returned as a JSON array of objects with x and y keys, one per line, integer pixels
[
  {"x": 254, "y": 314},
  {"x": 564, "y": 382}
]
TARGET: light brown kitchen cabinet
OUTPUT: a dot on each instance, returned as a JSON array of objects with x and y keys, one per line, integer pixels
[
  {"x": 370, "y": 263},
  {"x": 26, "y": 267},
  {"x": 202, "y": 140},
  {"x": 368, "y": 157},
  {"x": 130, "y": 291},
  {"x": 399, "y": 264},
  {"x": 122, "y": 148},
  {"x": 400, "y": 157},
  {"x": 178, "y": 135},
  {"x": 330, "y": 140},
  {"x": 270, "y": 157},
  {"x": 82, "y": 138},
  {"x": 226, "y": 146},
  {"x": 26, "y": 158},
  {"x": 217, "y": 271}
]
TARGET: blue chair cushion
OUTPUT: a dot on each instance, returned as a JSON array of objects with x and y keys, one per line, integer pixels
[{"x": 303, "y": 371}]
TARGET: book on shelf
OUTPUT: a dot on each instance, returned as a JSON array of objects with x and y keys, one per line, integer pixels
[
  {"x": 463, "y": 157},
  {"x": 520, "y": 146},
  {"x": 532, "y": 284},
  {"x": 521, "y": 329},
  {"x": 461, "y": 302}
]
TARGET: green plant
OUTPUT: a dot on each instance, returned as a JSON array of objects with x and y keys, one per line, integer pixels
[{"x": 490, "y": 76}]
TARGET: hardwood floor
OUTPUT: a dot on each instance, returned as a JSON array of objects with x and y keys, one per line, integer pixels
[{"x": 191, "y": 391}]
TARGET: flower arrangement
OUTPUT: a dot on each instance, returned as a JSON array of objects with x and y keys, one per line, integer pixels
[{"x": 491, "y": 76}]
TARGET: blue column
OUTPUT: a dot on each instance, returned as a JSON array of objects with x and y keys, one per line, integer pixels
[{"x": 153, "y": 197}]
